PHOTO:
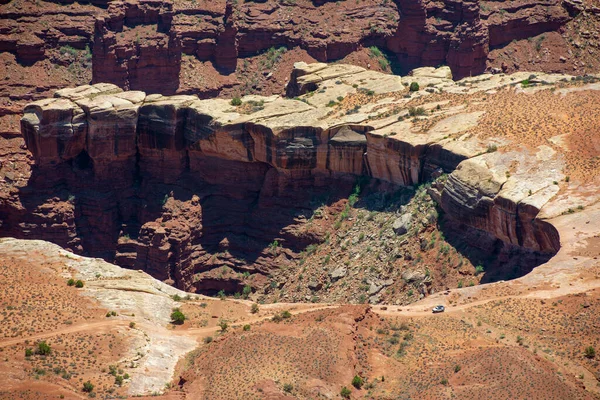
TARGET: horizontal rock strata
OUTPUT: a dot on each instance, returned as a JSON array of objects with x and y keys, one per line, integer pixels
[{"x": 243, "y": 171}]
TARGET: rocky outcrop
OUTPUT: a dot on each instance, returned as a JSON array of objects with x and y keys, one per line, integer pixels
[
  {"x": 193, "y": 191},
  {"x": 139, "y": 44}
]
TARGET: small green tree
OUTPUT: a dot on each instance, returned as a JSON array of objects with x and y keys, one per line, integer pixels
[
  {"x": 414, "y": 87},
  {"x": 254, "y": 308},
  {"x": 345, "y": 392},
  {"x": 221, "y": 294},
  {"x": 246, "y": 291},
  {"x": 88, "y": 387},
  {"x": 357, "y": 381},
  {"x": 28, "y": 352},
  {"x": 286, "y": 314},
  {"x": 79, "y": 284},
  {"x": 287, "y": 387},
  {"x": 590, "y": 352},
  {"x": 246, "y": 327},
  {"x": 177, "y": 317},
  {"x": 223, "y": 325},
  {"x": 236, "y": 101},
  {"x": 71, "y": 282},
  {"x": 119, "y": 380},
  {"x": 208, "y": 339},
  {"x": 44, "y": 348}
]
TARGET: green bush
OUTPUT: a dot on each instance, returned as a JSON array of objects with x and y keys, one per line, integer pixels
[
  {"x": 88, "y": 387},
  {"x": 246, "y": 291},
  {"x": 176, "y": 297},
  {"x": 413, "y": 112},
  {"x": 287, "y": 387},
  {"x": 28, "y": 352},
  {"x": 246, "y": 327},
  {"x": 223, "y": 325},
  {"x": 357, "y": 381},
  {"x": 177, "y": 317},
  {"x": 345, "y": 392},
  {"x": 286, "y": 314},
  {"x": 71, "y": 282},
  {"x": 44, "y": 348},
  {"x": 457, "y": 368},
  {"x": 254, "y": 308},
  {"x": 119, "y": 380},
  {"x": 236, "y": 101},
  {"x": 414, "y": 87},
  {"x": 79, "y": 284},
  {"x": 208, "y": 339},
  {"x": 590, "y": 352}
]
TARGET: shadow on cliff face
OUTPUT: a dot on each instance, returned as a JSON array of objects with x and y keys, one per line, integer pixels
[
  {"x": 207, "y": 228},
  {"x": 496, "y": 260}
]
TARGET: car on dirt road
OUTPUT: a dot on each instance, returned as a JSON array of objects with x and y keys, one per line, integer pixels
[{"x": 438, "y": 309}]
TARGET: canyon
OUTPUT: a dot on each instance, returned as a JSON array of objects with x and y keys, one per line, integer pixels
[
  {"x": 265, "y": 199},
  {"x": 210, "y": 196}
]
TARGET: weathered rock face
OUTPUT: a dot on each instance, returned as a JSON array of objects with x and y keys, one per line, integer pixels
[
  {"x": 165, "y": 183},
  {"x": 139, "y": 44}
]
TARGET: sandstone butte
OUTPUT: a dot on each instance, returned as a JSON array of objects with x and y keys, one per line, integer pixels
[{"x": 504, "y": 163}]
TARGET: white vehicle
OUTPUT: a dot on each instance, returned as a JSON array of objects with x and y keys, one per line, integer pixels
[{"x": 438, "y": 309}]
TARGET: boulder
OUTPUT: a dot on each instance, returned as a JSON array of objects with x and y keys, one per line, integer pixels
[
  {"x": 338, "y": 273},
  {"x": 402, "y": 225}
]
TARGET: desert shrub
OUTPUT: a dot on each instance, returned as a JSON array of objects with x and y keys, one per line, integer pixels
[
  {"x": 132, "y": 324},
  {"x": 276, "y": 318},
  {"x": 287, "y": 387},
  {"x": 413, "y": 112},
  {"x": 118, "y": 380},
  {"x": 520, "y": 340},
  {"x": 177, "y": 317},
  {"x": 457, "y": 368},
  {"x": 208, "y": 339},
  {"x": 286, "y": 314},
  {"x": 28, "y": 352},
  {"x": 176, "y": 297},
  {"x": 414, "y": 87},
  {"x": 71, "y": 282},
  {"x": 590, "y": 352},
  {"x": 43, "y": 348},
  {"x": 236, "y": 101},
  {"x": 221, "y": 294},
  {"x": 444, "y": 381},
  {"x": 246, "y": 327},
  {"x": 79, "y": 284},
  {"x": 345, "y": 392},
  {"x": 479, "y": 269},
  {"x": 357, "y": 381},
  {"x": 246, "y": 291},
  {"x": 88, "y": 387},
  {"x": 375, "y": 52},
  {"x": 254, "y": 308},
  {"x": 223, "y": 325}
]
